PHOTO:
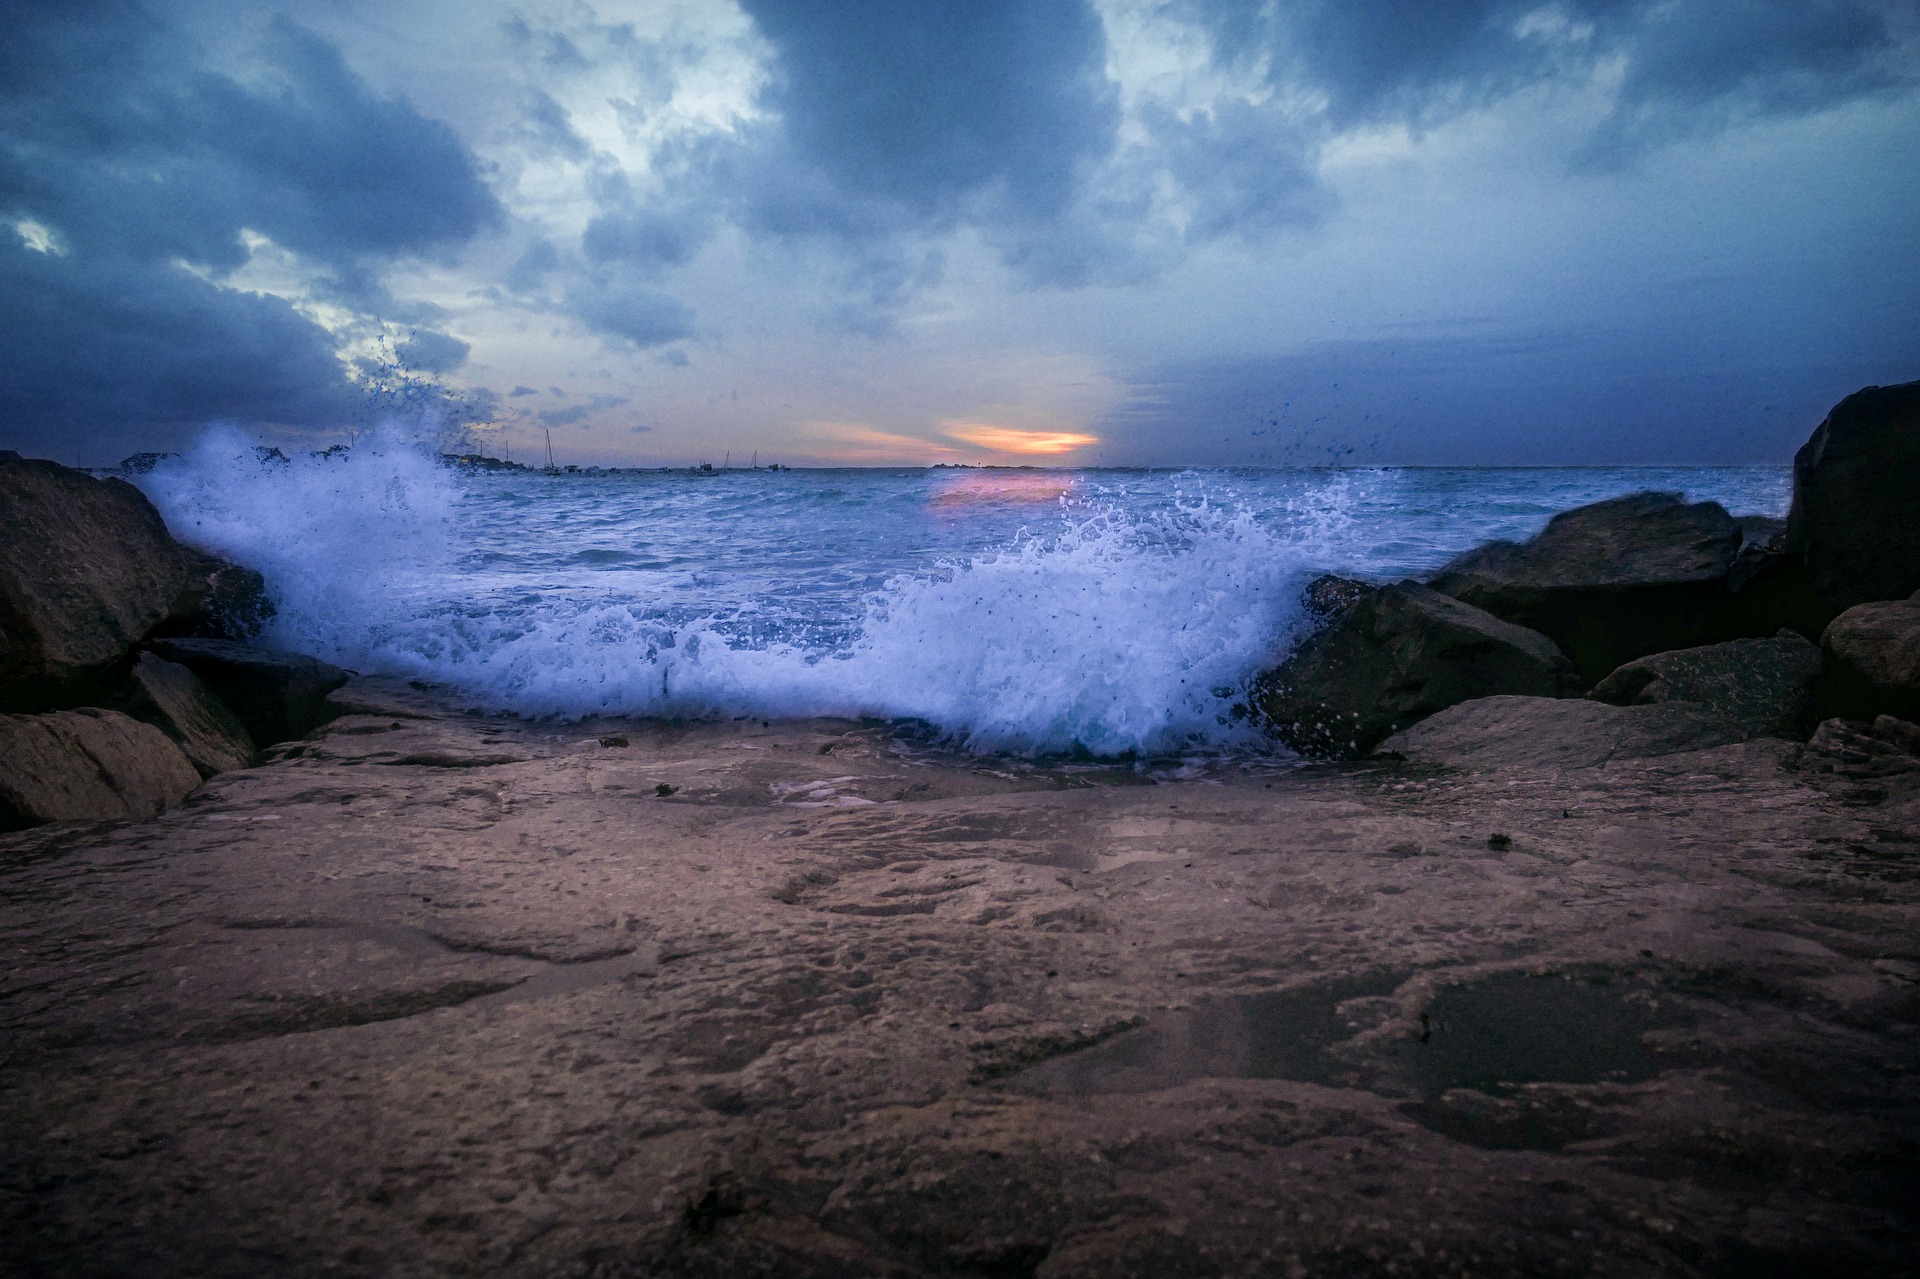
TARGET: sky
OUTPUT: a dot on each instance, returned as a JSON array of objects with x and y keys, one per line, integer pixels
[{"x": 1124, "y": 232}]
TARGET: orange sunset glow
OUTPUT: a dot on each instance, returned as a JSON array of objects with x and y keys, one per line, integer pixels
[{"x": 1007, "y": 439}]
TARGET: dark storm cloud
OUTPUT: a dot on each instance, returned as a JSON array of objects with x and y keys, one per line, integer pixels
[
  {"x": 930, "y": 106},
  {"x": 629, "y": 311},
  {"x": 1694, "y": 63},
  {"x": 116, "y": 137}
]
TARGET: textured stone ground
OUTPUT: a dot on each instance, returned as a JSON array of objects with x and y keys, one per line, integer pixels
[{"x": 443, "y": 995}]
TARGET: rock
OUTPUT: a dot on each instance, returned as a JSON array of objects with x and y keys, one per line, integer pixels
[
  {"x": 277, "y": 696},
  {"x": 1545, "y": 732},
  {"x": 1761, "y": 531},
  {"x": 1764, "y": 685},
  {"x": 1874, "y": 650},
  {"x": 1608, "y": 582},
  {"x": 1328, "y": 596},
  {"x": 172, "y": 699},
  {"x": 89, "y": 568},
  {"x": 1396, "y": 656},
  {"x": 87, "y": 765},
  {"x": 1855, "y": 487},
  {"x": 220, "y": 600}
]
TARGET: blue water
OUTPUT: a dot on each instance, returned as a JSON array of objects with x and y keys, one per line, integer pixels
[{"x": 1012, "y": 610}]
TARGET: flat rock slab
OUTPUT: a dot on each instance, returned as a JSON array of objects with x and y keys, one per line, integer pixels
[
  {"x": 817, "y": 998},
  {"x": 87, "y": 765}
]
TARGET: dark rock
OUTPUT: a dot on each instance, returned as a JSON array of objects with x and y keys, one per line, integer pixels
[
  {"x": 87, "y": 765},
  {"x": 1764, "y": 685},
  {"x": 1327, "y": 596},
  {"x": 1608, "y": 582},
  {"x": 172, "y": 699},
  {"x": 1396, "y": 656},
  {"x": 1768, "y": 589},
  {"x": 277, "y": 696},
  {"x": 1874, "y": 656},
  {"x": 141, "y": 463},
  {"x": 1856, "y": 485},
  {"x": 88, "y": 570},
  {"x": 1761, "y": 531},
  {"x": 220, "y": 600},
  {"x": 1545, "y": 732}
]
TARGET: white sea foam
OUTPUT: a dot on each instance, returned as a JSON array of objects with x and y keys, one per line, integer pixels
[
  {"x": 1126, "y": 617},
  {"x": 1114, "y": 632}
]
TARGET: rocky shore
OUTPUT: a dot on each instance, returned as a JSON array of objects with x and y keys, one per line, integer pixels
[{"x": 1584, "y": 944}]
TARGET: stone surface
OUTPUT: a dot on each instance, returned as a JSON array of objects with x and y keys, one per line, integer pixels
[
  {"x": 277, "y": 696},
  {"x": 172, "y": 699},
  {"x": 1329, "y": 595},
  {"x": 1874, "y": 650},
  {"x": 885, "y": 1011},
  {"x": 87, "y": 568},
  {"x": 1856, "y": 484},
  {"x": 1393, "y": 657},
  {"x": 87, "y": 765},
  {"x": 1764, "y": 685},
  {"x": 1608, "y": 582},
  {"x": 220, "y": 600},
  {"x": 1762, "y": 531},
  {"x": 1541, "y": 732}
]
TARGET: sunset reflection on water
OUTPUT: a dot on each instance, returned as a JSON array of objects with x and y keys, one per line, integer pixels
[{"x": 954, "y": 493}]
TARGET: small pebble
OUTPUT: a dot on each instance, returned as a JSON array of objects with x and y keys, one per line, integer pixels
[{"x": 1498, "y": 842}]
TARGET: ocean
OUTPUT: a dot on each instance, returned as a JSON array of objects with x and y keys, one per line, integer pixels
[{"x": 1028, "y": 612}]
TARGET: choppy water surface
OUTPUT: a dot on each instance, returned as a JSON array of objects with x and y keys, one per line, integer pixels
[{"x": 1013, "y": 610}]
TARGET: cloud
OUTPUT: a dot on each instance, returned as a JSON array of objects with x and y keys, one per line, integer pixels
[
  {"x": 147, "y": 167},
  {"x": 577, "y": 413},
  {"x": 426, "y": 351},
  {"x": 520, "y": 392},
  {"x": 1680, "y": 65},
  {"x": 622, "y": 308}
]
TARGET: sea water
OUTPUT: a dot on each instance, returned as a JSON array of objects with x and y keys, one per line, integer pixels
[{"x": 1027, "y": 611}]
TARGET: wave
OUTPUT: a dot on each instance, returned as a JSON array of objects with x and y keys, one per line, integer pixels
[{"x": 1119, "y": 631}]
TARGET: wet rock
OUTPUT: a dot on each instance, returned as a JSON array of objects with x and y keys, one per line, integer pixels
[
  {"x": 171, "y": 698},
  {"x": 1764, "y": 685},
  {"x": 220, "y": 600},
  {"x": 1874, "y": 650},
  {"x": 1608, "y": 582},
  {"x": 89, "y": 569},
  {"x": 1854, "y": 484},
  {"x": 277, "y": 696},
  {"x": 1395, "y": 656},
  {"x": 87, "y": 765},
  {"x": 1543, "y": 732},
  {"x": 1327, "y": 596}
]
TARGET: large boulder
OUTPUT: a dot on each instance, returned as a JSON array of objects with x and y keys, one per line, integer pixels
[
  {"x": 1856, "y": 490},
  {"x": 172, "y": 699},
  {"x": 87, "y": 765},
  {"x": 278, "y": 696},
  {"x": 1874, "y": 653},
  {"x": 88, "y": 568},
  {"x": 1608, "y": 582},
  {"x": 1764, "y": 685},
  {"x": 1394, "y": 656},
  {"x": 1541, "y": 732}
]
